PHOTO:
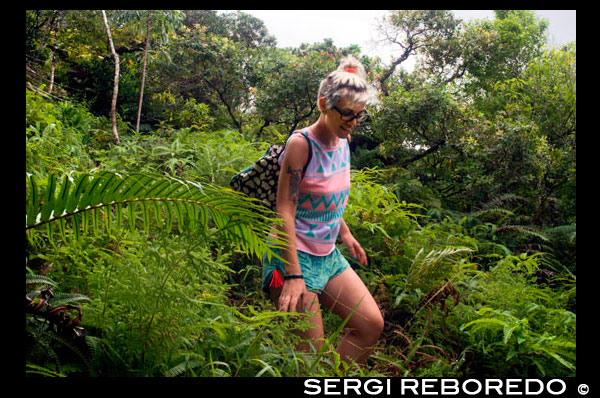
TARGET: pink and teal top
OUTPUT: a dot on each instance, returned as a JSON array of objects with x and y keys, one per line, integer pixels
[{"x": 323, "y": 196}]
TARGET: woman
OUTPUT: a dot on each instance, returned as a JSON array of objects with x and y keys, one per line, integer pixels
[{"x": 311, "y": 204}]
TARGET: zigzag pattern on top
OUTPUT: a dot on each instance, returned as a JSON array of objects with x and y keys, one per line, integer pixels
[{"x": 334, "y": 198}]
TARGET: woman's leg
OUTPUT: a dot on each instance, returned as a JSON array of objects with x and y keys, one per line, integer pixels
[
  {"x": 341, "y": 295},
  {"x": 309, "y": 304}
]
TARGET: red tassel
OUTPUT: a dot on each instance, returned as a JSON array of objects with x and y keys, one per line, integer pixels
[{"x": 276, "y": 280}]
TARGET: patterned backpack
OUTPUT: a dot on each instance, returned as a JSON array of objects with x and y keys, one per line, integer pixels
[{"x": 260, "y": 179}]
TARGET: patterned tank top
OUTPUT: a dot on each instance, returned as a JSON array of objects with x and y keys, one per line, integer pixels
[{"x": 323, "y": 196}]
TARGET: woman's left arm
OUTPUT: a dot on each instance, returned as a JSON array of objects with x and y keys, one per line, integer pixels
[{"x": 352, "y": 244}]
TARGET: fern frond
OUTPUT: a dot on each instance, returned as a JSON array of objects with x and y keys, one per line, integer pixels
[
  {"x": 496, "y": 211},
  {"x": 39, "y": 279},
  {"x": 504, "y": 199},
  {"x": 525, "y": 230},
  {"x": 191, "y": 205},
  {"x": 70, "y": 346},
  {"x": 427, "y": 269},
  {"x": 569, "y": 231},
  {"x": 186, "y": 365},
  {"x": 33, "y": 369},
  {"x": 69, "y": 298}
]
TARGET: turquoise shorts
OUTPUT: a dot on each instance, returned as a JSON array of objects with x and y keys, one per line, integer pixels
[{"x": 317, "y": 270}]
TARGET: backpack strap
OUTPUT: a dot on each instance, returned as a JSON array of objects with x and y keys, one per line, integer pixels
[{"x": 304, "y": 133}]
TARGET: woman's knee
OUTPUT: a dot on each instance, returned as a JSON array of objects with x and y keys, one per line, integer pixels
[
  {"x": 376, "y": 325},
  {"x": 370, "y": 327}
]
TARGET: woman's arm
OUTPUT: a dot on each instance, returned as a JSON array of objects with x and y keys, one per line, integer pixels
[
  {"x": 352, "y": 244},
  {"x": 288, "y": 191}
]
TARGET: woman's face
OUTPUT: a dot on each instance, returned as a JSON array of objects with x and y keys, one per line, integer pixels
[{"x": 339, "y": 127}]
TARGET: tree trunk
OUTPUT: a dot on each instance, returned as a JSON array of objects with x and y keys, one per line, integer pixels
[
  {"x": 113, "y": 105},
  {"x": 47, "y": 22},
  {"x": 137, "y": 125},
  {"x": 54, "y": 51}
]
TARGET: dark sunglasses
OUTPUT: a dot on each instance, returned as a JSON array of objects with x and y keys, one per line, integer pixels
[{"x": 362, "y": 116}]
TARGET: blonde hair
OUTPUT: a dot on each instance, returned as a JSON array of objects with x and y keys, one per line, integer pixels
[{"x": 347, "y": 81}]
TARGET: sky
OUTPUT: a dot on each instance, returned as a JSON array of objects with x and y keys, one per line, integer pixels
[{"x": 346, "y": 27}]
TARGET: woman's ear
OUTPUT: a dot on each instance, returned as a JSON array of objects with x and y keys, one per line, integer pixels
[{"x": 322, "y": 104}]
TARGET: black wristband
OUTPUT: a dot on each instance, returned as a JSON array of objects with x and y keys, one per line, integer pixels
[{"x": 300, "y": 276}]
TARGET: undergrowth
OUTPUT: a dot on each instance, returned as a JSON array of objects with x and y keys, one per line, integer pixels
[{"x": 457, "y": 300}]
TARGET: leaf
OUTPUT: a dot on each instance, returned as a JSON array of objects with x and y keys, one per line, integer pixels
[
  {"x": 131, "y": 208},
  {"x": 110, "y": 182},
  {"x": 61, "y": 199},
  {"x": 108, "y": 223},
  {"x": 234, "y": 216},
  {"x": 511, "y": 354},
  {"x": 74, "y": 194},
  {"x": 90, "y": 195},
  {"x": 508, "y": 331},
  {"x": 32, "y": 201},
  {"x": 39, "y": 279},
  {"x": 48, "y": 205},
  {"x": 169, "y": 215},
  {"x": 145, "y": 215},
  {"x": 480, "y": 323},
  {"x": 179, "y": 213},
  {"x": 559, "y": 359},
  {"x": 119, "y": 212}
]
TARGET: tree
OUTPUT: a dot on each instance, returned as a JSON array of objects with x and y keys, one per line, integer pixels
[
  {"x": 158, "y": 25},
  {"x": 415, "y": 31},
  {"x": 495, "y": 50},
  {"x": 137, "y": 124},
  {"x": 54, "y": 44},
  {"x": 113, "y": 106},
  {"x": 545, "y": 95},
  {"x": 212, "y": 69},
  {"x": 288, "y": 92},
  {"x": 245, "y": 28},
  {"x": 421, "y": 129}
]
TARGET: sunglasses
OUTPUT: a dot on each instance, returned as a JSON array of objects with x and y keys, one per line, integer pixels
[{"x": 362, "y": 116}]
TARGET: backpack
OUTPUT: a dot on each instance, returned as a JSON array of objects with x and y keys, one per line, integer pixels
[{"x": 260, "y": 179}]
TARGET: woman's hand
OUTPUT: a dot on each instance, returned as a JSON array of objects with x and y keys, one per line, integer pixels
[
  {"x": 354, "y": 247},
  {"x": 291, "y": 294}
]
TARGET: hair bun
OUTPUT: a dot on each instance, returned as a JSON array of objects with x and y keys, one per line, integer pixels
[
  {"x": 351, "y": 65},
  {"x": 347, "y": 81}
]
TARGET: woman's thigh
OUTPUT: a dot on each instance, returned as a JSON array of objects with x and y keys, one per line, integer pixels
[{"x": 346, "y": 293}]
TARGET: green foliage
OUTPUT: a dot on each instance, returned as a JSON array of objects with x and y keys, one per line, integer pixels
[
  {"x": 520, "y": 324},
  {"x": 89, "y": 197},
  {"x": 463, "y": 196},
  {"x": 176, "y": 114},
  {"x": 287, "y": 92},
  {"x": 48, "y": 352},
  {"x": 56, "y": 135},
  {"x": 375, "y": 214}
]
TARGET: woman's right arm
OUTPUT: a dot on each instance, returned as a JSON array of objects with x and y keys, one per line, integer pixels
[{"x": 288, "y": 190}]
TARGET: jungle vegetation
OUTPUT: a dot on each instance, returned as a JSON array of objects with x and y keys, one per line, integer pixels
[{"x": 140, "y": 261}]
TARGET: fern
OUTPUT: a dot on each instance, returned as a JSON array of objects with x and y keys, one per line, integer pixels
[
  {"x": 496, "y": 211},
  {"x": 187, "y": 365},
  {"x": 92, "y": 197},
  {"x": 31, "y": 279},
  {"x": 69, "y": 298},
  {"x": 518, "y": 338},
  {"x": 504, "y": 199},
  {"x": 429, "y": 269},
  {"x": 33, "y": 369},
  {"x": 525, "y": 230},
  {"x": 567, "y": 232}
]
